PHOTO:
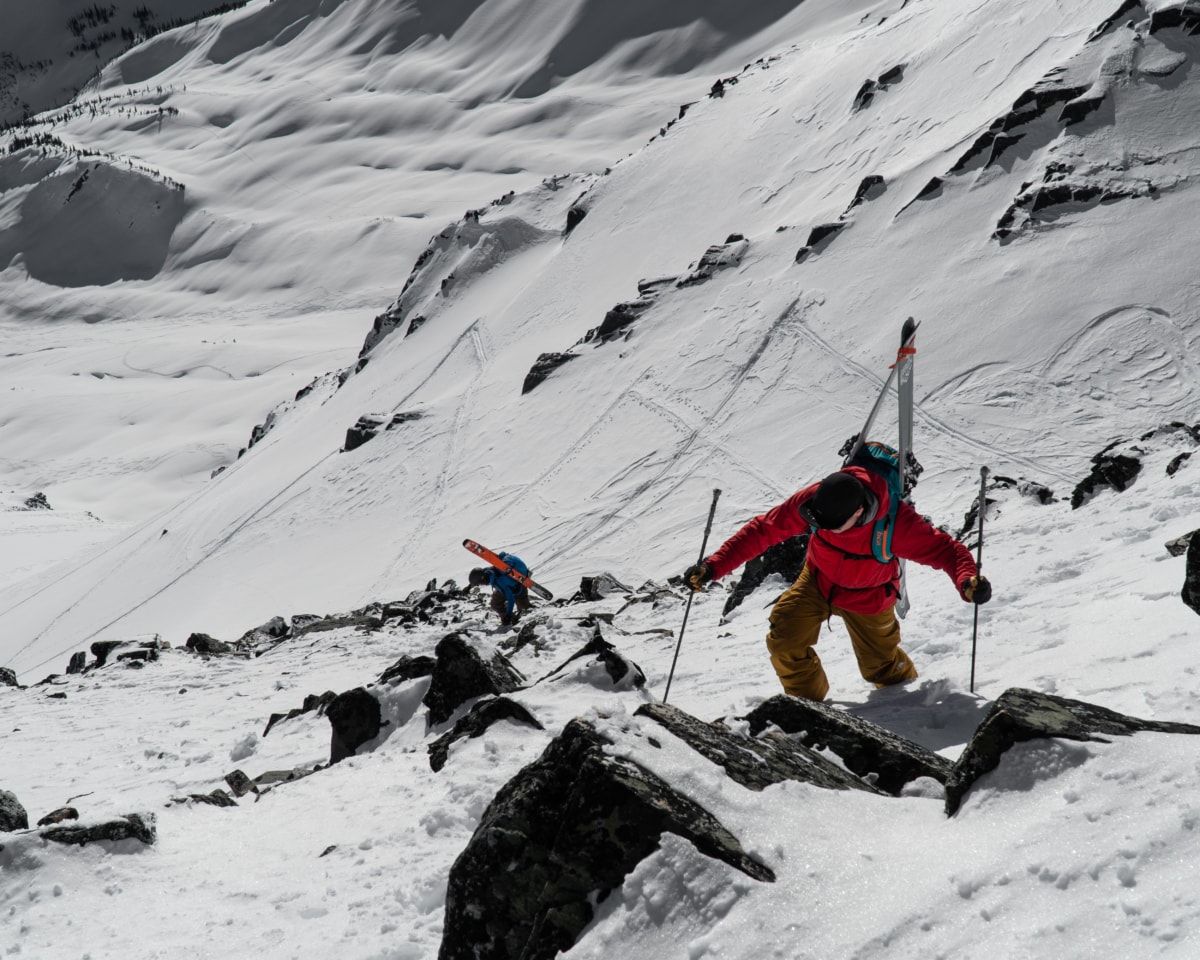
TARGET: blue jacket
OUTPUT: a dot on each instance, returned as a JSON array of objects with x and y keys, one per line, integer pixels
[{"x": 506, "y": 584}]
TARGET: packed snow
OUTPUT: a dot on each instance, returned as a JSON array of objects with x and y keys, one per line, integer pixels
[{"x": 263, "y": 184}]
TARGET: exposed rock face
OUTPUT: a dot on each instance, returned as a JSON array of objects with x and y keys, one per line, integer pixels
[
  {"x": 12, "y": 814},
  {"x": 369, "y": 425},
  {"x": 1191, "y": 583},
  {"x": 203, "y": 643},
  {"x": 77, "y": 662},
  {"x": 356, "y": 718},
  {"x": 718, "y": 257},
  {"x": 483, "y": 715},
  {"x": 1022, "y": 715},
  {"x": 311, "y": 702},
  {"x": 1108, "y": 470},
  {"x": 867, "y": 750},
  {"x": 819, "y": 238},
  {"x": 8, "y": 678},
  {"x": 133, "y": 826},
  {"x": 59, "y": 816},
  {"x": 755, "y": 763},
  {"x": 599, "y": 586},
  {"x": 785, "y": 559},
  {"x": 543, "y": 366},
  {"x": 560, "y": 836},
  {"x": 462, "y": 674},
  {"x": 408, "y": 668}
]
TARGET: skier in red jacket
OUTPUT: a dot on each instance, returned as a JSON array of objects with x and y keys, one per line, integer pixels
[{"x": 842, "y": 576}]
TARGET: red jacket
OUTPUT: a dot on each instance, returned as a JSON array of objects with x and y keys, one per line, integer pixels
[{"x": 848, "y": 575}]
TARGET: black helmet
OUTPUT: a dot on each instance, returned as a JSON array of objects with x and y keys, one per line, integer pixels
[
  {"x": 835, "y": 501},
  {"x": 479, "y": 576}
]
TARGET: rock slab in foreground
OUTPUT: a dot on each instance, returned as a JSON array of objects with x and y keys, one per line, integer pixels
[
  {"x": 1021, "y": 715},
  {"x": 556, "y": 839},
  {"x": 867, "y": 750}
]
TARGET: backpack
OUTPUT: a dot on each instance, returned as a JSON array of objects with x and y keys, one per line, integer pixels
[{"x": 883, "y": 461}]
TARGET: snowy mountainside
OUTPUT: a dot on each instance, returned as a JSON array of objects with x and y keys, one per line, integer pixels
[
  {"x": 729, "y": 281},
  {"x": 232, "y": 202},
  {"x": 1033, "y": 356}
]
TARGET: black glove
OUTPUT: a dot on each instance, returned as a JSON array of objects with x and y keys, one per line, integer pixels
[
  {"x": 976, "y": 590},
  {"x": 697, "y": 575}
]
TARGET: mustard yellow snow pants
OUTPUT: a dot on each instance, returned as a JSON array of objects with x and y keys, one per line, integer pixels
[{"x": 796, "y": 621}]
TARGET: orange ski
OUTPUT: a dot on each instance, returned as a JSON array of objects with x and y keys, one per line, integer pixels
[{"x": 481, "y": 551}]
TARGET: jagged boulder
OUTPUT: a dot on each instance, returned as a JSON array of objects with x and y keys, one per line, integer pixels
[
  {"x": 209, "y": 646},
  {"x": 1109, "y": 469},
  {"x": 1022, "y": 715},
  {"x": 133, "y": 826},
  {"x": 598, "y": 586},
  {"x": 478, "y": 720},
  {"x": 557, "y": 838},
  {"x": 622, "y": 672},
  {"x": 462, "y": 673},
  {"x": 720, "y": 256},
  {"x": 311, "y": 702},
  {"x": 12, "y": 814},
  {"x": 543, "y": 366},
  {"x": 8, "y": 678},
  {"x": 408, "y": 668},
  {"x": 1190, "y": 593},
  {"x": 785, "y": 559},
  {"x": 77, "y": 663},
  {"x": 754, "y": 762},
  {"x": 61, "y": 815},
  {"x": 355, "y": 717},
  {"x": 869, "y": 751}
]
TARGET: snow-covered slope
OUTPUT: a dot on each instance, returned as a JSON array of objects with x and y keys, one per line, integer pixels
[
  {"x": 1019, "y": 177},
  {"x": 1040, "y": 342}
]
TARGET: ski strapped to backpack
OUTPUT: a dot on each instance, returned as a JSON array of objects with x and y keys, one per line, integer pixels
[
  {"x": 507, "y": 569},
  {"x": 898, "y": 467}
]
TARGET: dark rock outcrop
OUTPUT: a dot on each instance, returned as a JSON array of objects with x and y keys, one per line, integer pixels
[
  {"x": 479, "y": 718},
  {"x": 543, "y": 366},
  {"x": 240, "y": 784},
  {"x": 869, "y": 189},
  {"x": 1021, "y": 715},
  {"x": 1108, "y": 470},
  {"x": 8, "y": 678},
  {"x": 77, "y": 662},
  {"x": 1190, "y": 594},
  {"x": 755, "y": 763},
  {"x": 599, "y": 586},
  {"x": 408, "y": 668},
  {"x": 311, "y": 702},
  {"x": 462, "y": 674},
  {"x": 599, "y": 649},
  {"x": 785, "y": 559},
  {"x": 885, "y": 760},
  {"x": 370, "y": 425},
  {"x": 819, "y": 238},
  {"x": 356, "y": 718},
  {"x": 718, "y": 257},
  {"x": 60, "y": 815},
  {"x": 133, "y": 826},
  {"x": 12, "y": 814},
  {"x": 557, "y": 838},
  {"x": 203, "y": 643}
]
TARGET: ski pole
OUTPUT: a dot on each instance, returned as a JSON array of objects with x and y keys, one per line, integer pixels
[
  {"x": 688, "y": 609},
  {"x": 983, "y": 473}
]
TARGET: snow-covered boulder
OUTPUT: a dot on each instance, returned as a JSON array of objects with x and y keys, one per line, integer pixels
[
  {"x": 356, "y": 718},
  {"x": 12, "y": 814},
  {"x": 482, "y": 716},
  {"x": 556, "y": 839},
  {"x": 886, "y": 760},
  {"x": 1021, "y": 715},
  {"x": 463, "y": 673}
]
